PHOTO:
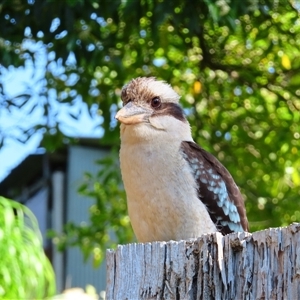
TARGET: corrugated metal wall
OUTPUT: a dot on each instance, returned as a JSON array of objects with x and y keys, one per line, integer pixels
[{"x": 79, "y": 274}]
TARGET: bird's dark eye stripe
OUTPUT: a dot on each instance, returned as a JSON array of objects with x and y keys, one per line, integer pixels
[{"x": 170, "y": 109}]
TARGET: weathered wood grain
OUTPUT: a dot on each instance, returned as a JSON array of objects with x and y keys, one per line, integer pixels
[{"x": 262, "y": 265}]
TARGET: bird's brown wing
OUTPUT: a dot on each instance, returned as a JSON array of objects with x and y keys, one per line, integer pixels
[{"x": 216, "y": 189}]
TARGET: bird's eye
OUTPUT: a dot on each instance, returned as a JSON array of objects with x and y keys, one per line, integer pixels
[{"x": 155, "y": 102}]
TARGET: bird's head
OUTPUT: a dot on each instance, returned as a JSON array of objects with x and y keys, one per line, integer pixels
[{"x": 150, "y": 103}]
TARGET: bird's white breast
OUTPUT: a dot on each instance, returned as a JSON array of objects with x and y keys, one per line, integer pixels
[{"x": 161, "y": 192}]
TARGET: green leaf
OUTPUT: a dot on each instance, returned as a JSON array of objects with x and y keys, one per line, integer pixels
[{"x": 25, "y": 272}]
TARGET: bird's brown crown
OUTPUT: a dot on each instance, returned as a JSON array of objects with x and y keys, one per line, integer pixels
[{"x": 143, "y": 89}]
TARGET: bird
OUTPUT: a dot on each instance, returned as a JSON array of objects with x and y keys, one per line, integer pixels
[{"x": 175, "y": 189}]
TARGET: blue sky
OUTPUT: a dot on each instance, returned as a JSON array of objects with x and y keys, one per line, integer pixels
[{"x": 15, "y": 82}]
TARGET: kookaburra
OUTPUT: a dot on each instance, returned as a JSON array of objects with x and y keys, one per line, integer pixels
[{"x": 175, "y": 189}]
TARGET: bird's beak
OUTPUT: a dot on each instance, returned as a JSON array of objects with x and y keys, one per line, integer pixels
[{"x": 132, "y": 114}]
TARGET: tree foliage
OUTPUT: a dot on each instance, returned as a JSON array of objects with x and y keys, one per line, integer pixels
[{"x": 235, "y": 64}]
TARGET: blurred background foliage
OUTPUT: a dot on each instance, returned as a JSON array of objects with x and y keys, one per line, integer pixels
[
  {"x": 26, "y": 272},
  {"x": 235, "y": 63}
]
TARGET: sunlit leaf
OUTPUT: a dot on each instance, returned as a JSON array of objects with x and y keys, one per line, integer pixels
[{"x": 285, "y": 61}]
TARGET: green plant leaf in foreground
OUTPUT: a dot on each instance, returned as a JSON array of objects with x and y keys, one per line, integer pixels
[{"x": 25, "y": 271}]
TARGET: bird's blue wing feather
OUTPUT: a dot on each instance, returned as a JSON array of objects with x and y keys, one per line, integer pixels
[{"x": 216, "y": 189}]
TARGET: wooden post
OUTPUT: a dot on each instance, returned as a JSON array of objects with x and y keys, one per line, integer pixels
[{"x": 262, "y": 265}]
